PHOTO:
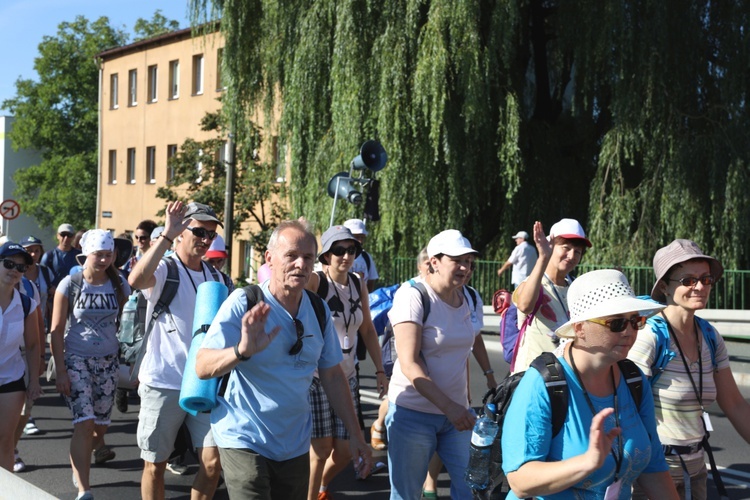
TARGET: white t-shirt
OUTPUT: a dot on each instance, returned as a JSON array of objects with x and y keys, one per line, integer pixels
[
  {"x": 523, "y": 258},
  {"x": 447, "y": 339},
  {"x": 169, "y": 342},
  {"x": 360, "y": 267},
  {"x": 12, "y": 340}
]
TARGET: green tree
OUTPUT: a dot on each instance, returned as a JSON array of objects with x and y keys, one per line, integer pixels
[
  {"x": 629, "y": 116},
  {"x": 157, "y": 25},
  {"x": 57, "y": 115},
  {"x": 200, "y": 175}
]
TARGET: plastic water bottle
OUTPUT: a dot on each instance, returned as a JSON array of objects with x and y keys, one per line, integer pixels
[
  {"x": 480, "y": 454},
  {"x": 127, "y": 320}
]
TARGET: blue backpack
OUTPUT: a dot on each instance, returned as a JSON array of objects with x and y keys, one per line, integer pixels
[{"x": 664, "y": 354}]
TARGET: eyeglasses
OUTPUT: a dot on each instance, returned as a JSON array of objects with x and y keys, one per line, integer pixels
[
  {"x": 691, "y": 281},
  {"x": 66, "y": 235},
  {"x": 297, "y": 347},
  {"x": 9, "y": 264},
  {"x": 340, "y": 251},
  {"x": 202, "y": 233},
  {"x": 618, "y": 325},
  {"x": 143, "y": 238}
]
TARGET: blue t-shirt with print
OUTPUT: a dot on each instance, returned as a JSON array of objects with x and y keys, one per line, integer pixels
[
  {"x": 265, "y": 406},
  {"x": 527, "y": 434}
]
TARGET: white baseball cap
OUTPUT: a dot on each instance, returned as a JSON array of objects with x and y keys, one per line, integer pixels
[
  {"x": 570, "y": 229},
  {"x": 356, "y": 226},
  {"x": 449, "y": 242},
  {"x": 602, "y": 293},
  {"x": 521, "y": 234}
]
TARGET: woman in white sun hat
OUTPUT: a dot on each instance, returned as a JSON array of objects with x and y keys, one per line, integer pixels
[
  {"x": 428, "y": 398},
  {"x": 607, "y": 441},
  {"x": 692, "y": 370}
]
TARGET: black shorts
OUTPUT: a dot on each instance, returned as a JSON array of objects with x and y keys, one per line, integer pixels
[{"x": 17, "y": 386}]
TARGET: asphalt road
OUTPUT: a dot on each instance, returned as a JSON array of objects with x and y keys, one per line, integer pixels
[{"x": 46, "y": 454}]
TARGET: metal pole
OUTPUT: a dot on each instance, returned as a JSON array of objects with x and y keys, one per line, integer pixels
[
  {"x": 229, "y": 154},
  {"x": 335, "y": 197}
]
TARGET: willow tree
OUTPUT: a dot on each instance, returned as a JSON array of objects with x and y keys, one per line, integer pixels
[{"x": 630, "y": 116}]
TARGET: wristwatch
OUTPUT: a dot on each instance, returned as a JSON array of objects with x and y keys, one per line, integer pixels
[
  {"x": 237, "y": 353},
  {"x": 489, "y": 372}
]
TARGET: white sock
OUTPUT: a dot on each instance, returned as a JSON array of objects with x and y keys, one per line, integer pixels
[{"x": 323, "y": 488}]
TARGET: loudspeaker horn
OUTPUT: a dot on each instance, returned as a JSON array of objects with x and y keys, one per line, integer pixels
[
  {"x": 372, "y": 155},
  {"x": 346, "y": 190}
]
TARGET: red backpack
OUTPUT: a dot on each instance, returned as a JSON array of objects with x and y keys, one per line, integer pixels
[{"x": 501, "y": 300}]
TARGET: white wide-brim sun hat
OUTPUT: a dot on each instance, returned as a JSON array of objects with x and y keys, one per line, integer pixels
[{"x": 602, "y": 293}]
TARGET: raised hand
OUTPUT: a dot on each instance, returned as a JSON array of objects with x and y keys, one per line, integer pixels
[
  {"x": 600, "y": 441},
  {"x": 543, "y": 245},
  {"x": 175, "y": 222},
  {"x": 254, "y": 337}
]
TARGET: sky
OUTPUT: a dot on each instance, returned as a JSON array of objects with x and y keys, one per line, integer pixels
[{"x": 23, "y": 23}]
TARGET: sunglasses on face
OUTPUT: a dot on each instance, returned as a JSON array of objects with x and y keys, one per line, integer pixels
[
  {"x": 201, "y": 233},
  {"x": 297, "y": 347},
  {"x": 340, "y": 251},
  {"x": 9, "y": 264},
  {"x": 66, "y": 235},
  {"x": 142, "y": 238},
  {"x": 691, "y": 282},
  {"x": 618, "y": 325}
]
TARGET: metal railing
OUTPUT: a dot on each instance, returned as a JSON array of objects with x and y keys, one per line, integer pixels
[{"x": 730, "y": 292}]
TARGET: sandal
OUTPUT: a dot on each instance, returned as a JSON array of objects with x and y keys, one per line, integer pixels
[
  {"x": 103, "y": 454},
  {"x": 377, "y": 438}
]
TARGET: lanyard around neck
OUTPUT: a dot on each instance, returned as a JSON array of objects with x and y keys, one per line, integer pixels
[
  {"x": 559, "y": 299},
  {"x": 616, "y": 456},
  {"x": 187, "y": 271},
  {"x": 699, "y": 389}
]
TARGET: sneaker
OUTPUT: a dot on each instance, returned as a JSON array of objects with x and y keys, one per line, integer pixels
[
  {"x": 19, "y": 465},
  {"x": 103, "y": 454},
  {"x": 377, "y": 438},
  {"x": 375, "y": 469},
  {"x": 121, "y": 400},
  {"x": 31, "y": 428},
  {"x": 178, "y": 468},
  {"x": 86, "y": 495},
  {"x": 324, "y": 495}
]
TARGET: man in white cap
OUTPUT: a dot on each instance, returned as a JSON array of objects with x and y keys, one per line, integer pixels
[
  {"x": 364, "y": 265},
  {"x": 521, "y": 258},
  {"x": 62, "y": 258},
  {"x": 544, "y": 294}
]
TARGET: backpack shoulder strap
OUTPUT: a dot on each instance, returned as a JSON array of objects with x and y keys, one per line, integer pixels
[
  {"x": 634, "y": 379},
  {"x": 25, "y": 304},
  {"x": 709, "y": 335},
  {"x": 46, "y": 274},
  {"x": 557, "y": 387},
  {"x": 472, "y": 293},
  {"x": 663, "y": 354},
  {"x": 320, "y": 310},
  {"x": 214, "y": 272},
  {"x": 357, "y": 285},
  {"x": 367, "y": 259},
  {"x": 425, "y": 299},
  {"x": 322, "y": 284}
]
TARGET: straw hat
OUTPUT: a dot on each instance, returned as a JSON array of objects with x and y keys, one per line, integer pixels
[{"x": 602, "y": 293}]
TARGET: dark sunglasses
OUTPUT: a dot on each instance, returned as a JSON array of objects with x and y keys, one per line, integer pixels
[
  {"x": 9, "y": 264},
  {"x": 66, "y": 235},
  {"x": 340, "y": 251},
  {"x": 691, "y": 282},
  {"x": 297, "y": 347},
  {"x": 618, "y": 325},
  {"x": 201, "y": 233},
  {"x": 142, "y": 238}
]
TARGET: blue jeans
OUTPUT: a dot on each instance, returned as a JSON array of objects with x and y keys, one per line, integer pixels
[{"x": 413, "y": 437}]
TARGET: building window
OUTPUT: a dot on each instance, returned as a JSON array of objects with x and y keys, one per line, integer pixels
[
  {"x": 219, "y": 61},
  {"x": 174, "y": 79},
  {"x": 198, "y": 74},
  {"x": 151, "y": 165},
  {"x": 131, "y": 165},
  {"x": 114, "y": 97},
  {"x": 171, "y": 153},
  {"x": 152, "y": 83},
  {"x": 132, "y": 87},
  {"x": 113, "y": 166}
]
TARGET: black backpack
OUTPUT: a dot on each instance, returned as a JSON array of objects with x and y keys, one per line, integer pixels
[{"x": 553, "y": 374}]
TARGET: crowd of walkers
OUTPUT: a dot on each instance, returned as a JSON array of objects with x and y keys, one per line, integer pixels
[{"x": 287, "y": 418}]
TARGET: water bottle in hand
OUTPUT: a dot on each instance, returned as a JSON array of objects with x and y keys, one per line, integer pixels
[{"x": 480, "y": 455}]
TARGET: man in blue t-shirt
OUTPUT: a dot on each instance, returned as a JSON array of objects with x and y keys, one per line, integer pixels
[
  {"x": 62, "y": 258},
  {"x": 270, "y": 353}
]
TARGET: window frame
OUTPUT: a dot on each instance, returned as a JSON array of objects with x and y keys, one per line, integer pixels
[
  {"x": 114, "y": 94},
  {"x": 133, "y": 87},
  {"x": 174, "y": 79},
  {"x": 199, "y": 68},
  {"x": 153, "y": 83},
  {"x": 131, "y": 166},
  {"x": 151, "y": 165}
]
